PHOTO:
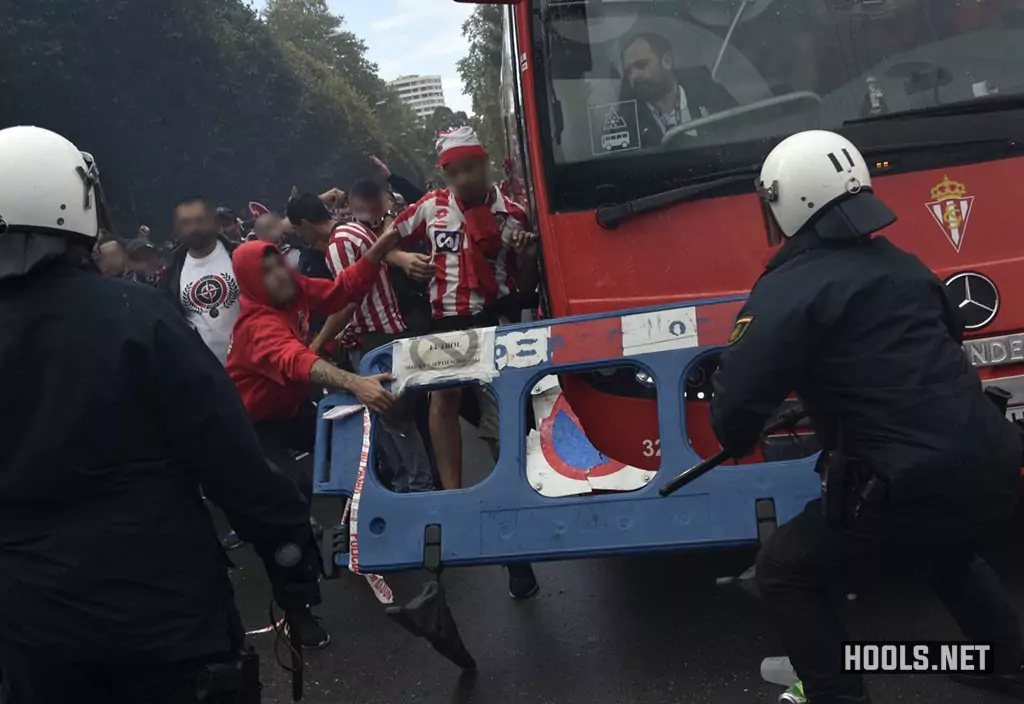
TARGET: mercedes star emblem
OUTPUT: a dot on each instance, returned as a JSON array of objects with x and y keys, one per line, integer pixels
[{"x": 976, "y": 296}]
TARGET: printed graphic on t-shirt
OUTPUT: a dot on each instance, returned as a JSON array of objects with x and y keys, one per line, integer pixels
[
  {"x": 447, "y": 241},
  {"x": 210, "y": 294},
  {"x": 437, "y": 219}
]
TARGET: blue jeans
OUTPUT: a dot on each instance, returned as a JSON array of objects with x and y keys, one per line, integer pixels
[
  {"x": 403, "y": 452},
  {"x": 400, "y": 445}
]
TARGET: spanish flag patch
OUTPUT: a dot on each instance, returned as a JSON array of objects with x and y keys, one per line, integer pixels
[{"x": 739, "y": 329}]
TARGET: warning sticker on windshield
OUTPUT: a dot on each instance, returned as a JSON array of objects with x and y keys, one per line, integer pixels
[{"x": 614, "y": 128}]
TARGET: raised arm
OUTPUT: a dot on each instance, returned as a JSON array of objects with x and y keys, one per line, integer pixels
[
  {"x": 353, "y": 283},
  {"x": 410, "y": 191}
]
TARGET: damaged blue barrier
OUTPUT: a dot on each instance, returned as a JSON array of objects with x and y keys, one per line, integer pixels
[{"x": 506, "y": 518}]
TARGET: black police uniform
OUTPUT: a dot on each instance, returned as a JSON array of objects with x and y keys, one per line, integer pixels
[
  {"x": 869, "y": 340},
  {"x": 113, "y": 585}
]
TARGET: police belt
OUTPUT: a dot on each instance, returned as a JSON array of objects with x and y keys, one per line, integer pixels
[{"x": 848, "y": 486}]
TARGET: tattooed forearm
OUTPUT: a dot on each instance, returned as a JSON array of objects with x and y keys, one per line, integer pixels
[{"x": 324, "y": 374}]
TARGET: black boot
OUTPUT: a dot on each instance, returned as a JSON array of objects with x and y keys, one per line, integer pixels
[{"x": 312, "y": 635}]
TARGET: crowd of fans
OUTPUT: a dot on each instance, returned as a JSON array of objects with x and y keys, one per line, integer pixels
[{"x": 290, "y": 302}]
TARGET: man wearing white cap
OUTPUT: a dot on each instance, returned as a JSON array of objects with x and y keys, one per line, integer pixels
[{"x": 482, "y": 257}]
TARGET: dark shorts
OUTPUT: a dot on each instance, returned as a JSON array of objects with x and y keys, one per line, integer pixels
[
  {"x": 488, "y": 406},
  {"x": 487, "y": 319}
]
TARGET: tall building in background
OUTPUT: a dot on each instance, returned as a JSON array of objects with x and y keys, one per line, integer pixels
[{"x": 424, "y": 94}]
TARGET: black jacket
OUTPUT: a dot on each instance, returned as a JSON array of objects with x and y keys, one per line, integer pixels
[
  {"x": 114, "y": 413},
  {"x": 410, "y": 191},
  {"x": 868, "y": 338},
  {"x": 170, "y": 282},
  {"x": 704, "y": 96}
]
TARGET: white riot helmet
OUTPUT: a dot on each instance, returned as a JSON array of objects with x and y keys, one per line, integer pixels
[
  {"x": 818, "y": 179},
  {"x": 48, "y": 187}
]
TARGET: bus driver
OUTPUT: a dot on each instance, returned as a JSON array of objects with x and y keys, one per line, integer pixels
[{"x": 666, "y": 96}]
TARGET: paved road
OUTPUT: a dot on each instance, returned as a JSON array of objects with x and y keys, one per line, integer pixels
[{"x": 612, "y": 631}]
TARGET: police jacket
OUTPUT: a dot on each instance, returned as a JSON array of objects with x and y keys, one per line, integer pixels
[
  {"x": 868, "y": 338},
  {"x": 114, "y": 413}
]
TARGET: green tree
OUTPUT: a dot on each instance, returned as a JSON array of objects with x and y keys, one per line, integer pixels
[
  {"x": 310, "y": 26},
  {"x": 334, "y": 62},
  {"x": 172, "y": 96},
  {"x": 480, "y": 72},
  {"x": 442, "y": 119},
  {"x": 177, "y": 97}
]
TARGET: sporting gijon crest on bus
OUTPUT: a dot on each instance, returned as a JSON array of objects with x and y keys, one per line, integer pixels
[{"x": 951, "y": 207}]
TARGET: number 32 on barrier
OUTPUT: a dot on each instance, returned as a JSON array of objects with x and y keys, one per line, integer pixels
[{"x": 652, "y": 448}]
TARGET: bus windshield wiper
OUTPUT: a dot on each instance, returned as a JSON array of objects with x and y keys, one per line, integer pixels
[
  {"x": 975, "y": 106},
  {"x": 611, "y": 216}
]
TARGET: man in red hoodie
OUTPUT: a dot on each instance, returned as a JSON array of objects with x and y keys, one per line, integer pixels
[
  {"x": 273, "y": 368},
  {"x": 270, "y": 360}
]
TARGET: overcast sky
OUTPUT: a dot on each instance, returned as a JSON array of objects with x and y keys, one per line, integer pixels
[{"x": 410, "y": 36}]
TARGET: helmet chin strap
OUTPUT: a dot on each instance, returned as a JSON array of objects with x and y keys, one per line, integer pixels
[{"x": 21, "y": 252}]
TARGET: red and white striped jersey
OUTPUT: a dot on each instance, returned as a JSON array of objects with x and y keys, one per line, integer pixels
[
  {"x": 437, "y": 220},
  {"x": 379, "y": 311}
]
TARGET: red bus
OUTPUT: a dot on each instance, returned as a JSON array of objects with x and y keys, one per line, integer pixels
[{"x": 636, "y": 128}]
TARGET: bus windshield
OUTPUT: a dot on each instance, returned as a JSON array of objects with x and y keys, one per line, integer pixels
[{"x": 665, "y": 91}]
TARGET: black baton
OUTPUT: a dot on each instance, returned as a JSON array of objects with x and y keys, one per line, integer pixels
[
  {"x": 786, "y": 419},
  {"x": 297, "y": 665},
  {"x": 693, "y": 473}
]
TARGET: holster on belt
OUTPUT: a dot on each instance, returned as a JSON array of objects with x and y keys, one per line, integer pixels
[
  {"x": 831, "y": 467},
  {"x": 848, "y": 486}
]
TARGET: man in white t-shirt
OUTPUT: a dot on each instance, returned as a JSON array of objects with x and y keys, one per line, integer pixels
[{"x": 201, "y": 281}]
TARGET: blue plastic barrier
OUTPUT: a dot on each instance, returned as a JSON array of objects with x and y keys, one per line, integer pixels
[{"x": 503, "y": 519}]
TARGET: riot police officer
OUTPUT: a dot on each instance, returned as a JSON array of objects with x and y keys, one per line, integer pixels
[
  {"x": 113, "y": 584},
  {"x": 917, "y": 464}
]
